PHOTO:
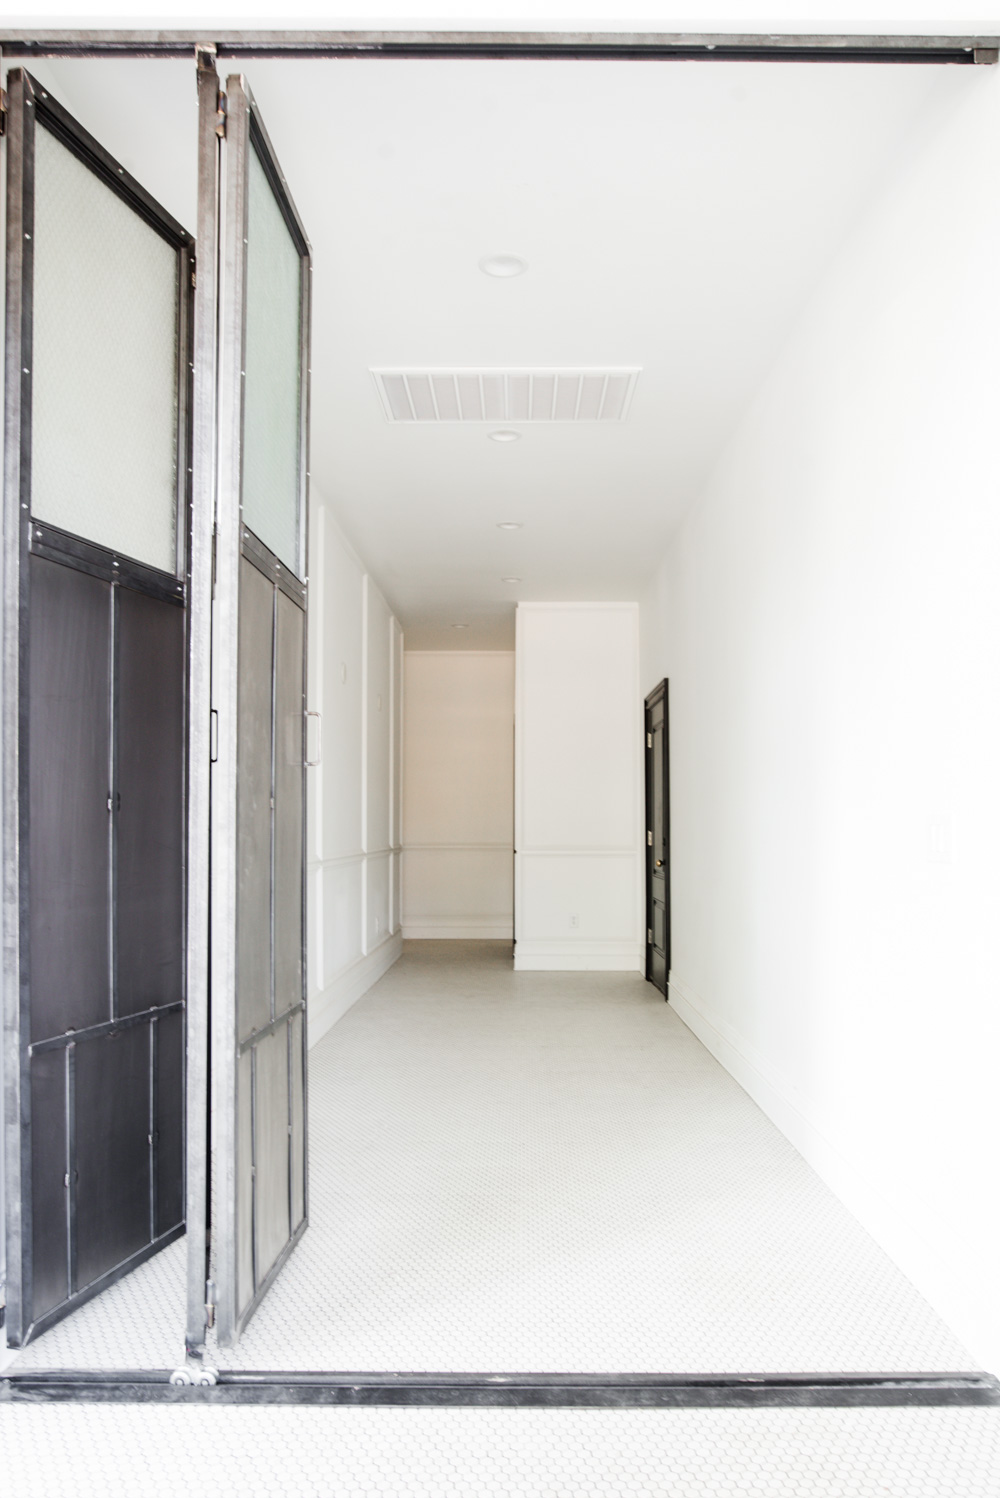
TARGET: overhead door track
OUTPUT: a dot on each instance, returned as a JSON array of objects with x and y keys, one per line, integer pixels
[{"x": 570, "y": 46}]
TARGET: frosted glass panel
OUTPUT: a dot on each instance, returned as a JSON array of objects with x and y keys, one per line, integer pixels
[
  {"x": 271, "y": 399},
  {"x": 104, "y": 386}
]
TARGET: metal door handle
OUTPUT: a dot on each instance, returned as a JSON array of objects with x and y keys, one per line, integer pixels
[
  {"x": 659, "y": 863},
  {"x": 312, "y": 763}
]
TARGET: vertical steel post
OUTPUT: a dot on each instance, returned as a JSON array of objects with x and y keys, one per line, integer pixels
[
  {"x": 225, "y": 638},
  {"x": 203, "y": 476},
  {"x": 17, "y": 427}
]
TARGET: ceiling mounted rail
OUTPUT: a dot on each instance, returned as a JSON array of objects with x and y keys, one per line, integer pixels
[{"x": 610, "y": 46}]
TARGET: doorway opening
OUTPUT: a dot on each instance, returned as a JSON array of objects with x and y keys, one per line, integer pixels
[{"x": 224, "y": 615}]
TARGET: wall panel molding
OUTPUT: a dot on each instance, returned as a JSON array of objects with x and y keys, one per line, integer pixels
[
  {"x": 457, "y": 855},
  {"x": 483, "y": 927},
  {"x": 354, "y": 645},
  {"x": 577, "y": 853},
  {"x": 457, "y": 848},
  {"x": 578, "y": 956}
]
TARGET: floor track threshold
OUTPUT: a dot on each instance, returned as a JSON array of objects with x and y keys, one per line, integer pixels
[{"x": 546, "y": 1390}]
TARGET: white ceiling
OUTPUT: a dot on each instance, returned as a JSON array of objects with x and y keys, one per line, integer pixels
[{"x": 673, "y": 216}]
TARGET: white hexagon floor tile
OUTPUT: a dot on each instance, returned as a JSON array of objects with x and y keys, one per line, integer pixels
[
  {"x": 540, "y": 1171},
  {"x": 157, "y": 1451}
]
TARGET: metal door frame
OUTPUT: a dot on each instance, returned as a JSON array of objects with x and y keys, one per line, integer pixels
[
  {"x": 204, "y": 443},
  {"x": 235, "y": 117},
  {"x": 28, "y": 104},
  {"x": 204, "y": 44}
]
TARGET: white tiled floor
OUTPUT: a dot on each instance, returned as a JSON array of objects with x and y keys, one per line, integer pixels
[
  {"x": 531, "y": 1171},
  {"x": 101, "y": 1451},
  {"x": 541, "y": 1171}
]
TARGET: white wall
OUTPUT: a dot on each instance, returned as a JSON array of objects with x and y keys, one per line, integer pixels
[
  {"x": 458, "y": 794},
  {"x": 354, "y": 645},
  {"x": 578, "y": 819},
  {"x": 829, "y": 620}
]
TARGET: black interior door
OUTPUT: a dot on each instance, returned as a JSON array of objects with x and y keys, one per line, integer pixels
[
  {"x": 98, "y": 281},
  {"x": 657, "y": 839}
]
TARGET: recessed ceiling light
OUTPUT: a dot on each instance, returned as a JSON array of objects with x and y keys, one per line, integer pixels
[
  {"x": 509, "y": 525},
  {"x": 510, "y": 579},
  {"x": 459, "y": 626},
  {"x": 502, "y": 265},
  {"x": 505, "y": 436}
]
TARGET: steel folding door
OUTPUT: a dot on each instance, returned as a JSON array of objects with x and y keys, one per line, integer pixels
[
  {"x": 95, "y": 545},
  {"x": 257, "y": 297}
]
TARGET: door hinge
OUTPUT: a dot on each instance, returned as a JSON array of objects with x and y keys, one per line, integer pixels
[
  {"x": 220, "y": 117},
  {"x": 649, "y": 839},
  {"x": 649, "y": 935},
  {"x": 649, "y": 741},
  {"x": 210, "y": 1303},
  {"x": 3, "y": 111}
]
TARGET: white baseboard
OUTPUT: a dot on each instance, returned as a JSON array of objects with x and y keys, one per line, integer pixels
[
  {"x": 577, "y": 957},
  {"x": 941, "y": 1283},
  {"x": 327, "y": 1006},
  {"x": 457, "y": 928}
]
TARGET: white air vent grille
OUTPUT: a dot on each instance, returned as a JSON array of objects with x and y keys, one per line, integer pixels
[{"x": 518, "y": 395}]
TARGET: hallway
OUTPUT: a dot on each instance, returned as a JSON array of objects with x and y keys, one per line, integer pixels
[{"x": 540, "y": 1171}]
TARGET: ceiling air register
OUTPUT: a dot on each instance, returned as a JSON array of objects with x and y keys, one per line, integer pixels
[{"x": 471, "y": 395}]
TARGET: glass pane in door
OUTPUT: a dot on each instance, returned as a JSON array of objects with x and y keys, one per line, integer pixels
[
  {"x": 271, "y": 427},
  {"x": 104, "y": 383}
]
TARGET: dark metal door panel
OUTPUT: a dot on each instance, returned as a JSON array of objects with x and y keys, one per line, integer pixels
[
  {"x": 112, "y": 1127},
  {"x": 244, "y": 1182},
  {"x": 150, "y": 802},
  {"x": 69, "y": 718},
  {"x": 271, "y": 1150},
  {"x": 656, "y": 758},
  {"x": 289, "y": 774},
  {"x": 94, "y": 717},
  {"x": 296, "y": 1071},
  {"x": 168, "y": 1122},
  {"x": 269, "y": 1144},
  {"x": 253, "y": 801},
  {"x": 49, "y": 1194}
]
